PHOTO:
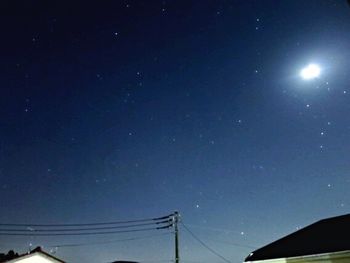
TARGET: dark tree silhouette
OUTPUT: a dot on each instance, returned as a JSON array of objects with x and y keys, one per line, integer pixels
[{"x": 10, "y": 255}]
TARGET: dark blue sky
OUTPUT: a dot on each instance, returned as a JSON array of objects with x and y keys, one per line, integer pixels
[{"x": 121, "y": 110}]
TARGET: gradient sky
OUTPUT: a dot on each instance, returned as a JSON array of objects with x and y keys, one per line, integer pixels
[{"x": 117, "y": 110}]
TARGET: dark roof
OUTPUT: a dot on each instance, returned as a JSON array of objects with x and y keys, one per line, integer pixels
[
  {"x": 37, "y": 249},
  {"x": 324, "y": 236}
]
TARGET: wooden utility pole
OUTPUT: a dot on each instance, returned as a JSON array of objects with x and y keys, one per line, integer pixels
[{"x": 176, "y": 221}]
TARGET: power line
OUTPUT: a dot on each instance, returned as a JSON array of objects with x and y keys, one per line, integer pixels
[
  {"x": 205, "y": 245},
  {"x": 214, "y": 229},
  {"x": 84, "y": 233},
  {"x": 85, "y": 229},
  {"x": 234, "y": 244},
  {"x": 107, "y": 242},
  {"x": 88, "y": 224}
]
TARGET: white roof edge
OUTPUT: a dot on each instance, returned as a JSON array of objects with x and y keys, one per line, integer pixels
[
  {"x": 310, "y": 257},
  {"x": 30, "y": 255}
]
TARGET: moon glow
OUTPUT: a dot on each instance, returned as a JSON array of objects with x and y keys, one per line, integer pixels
[{"x": 310, "y": 72}]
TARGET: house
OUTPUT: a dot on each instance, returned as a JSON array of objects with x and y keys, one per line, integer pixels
[
  {"x": 326, "y": 241},
  {"x": 35, "y": 256}
]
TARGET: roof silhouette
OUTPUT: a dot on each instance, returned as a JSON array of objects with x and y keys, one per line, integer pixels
[{"x": 325, "y": 236}]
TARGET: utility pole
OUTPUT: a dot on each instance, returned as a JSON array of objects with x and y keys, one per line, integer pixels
[{"x": 176, "y": 221}]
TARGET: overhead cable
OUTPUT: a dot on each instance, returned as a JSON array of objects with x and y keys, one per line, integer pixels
[
  {"x": 204, "y": 245},
  {"x": 88, "y": 224},
  {"x": 29, "y": 229},
  {"x": 83, "y": 233}
]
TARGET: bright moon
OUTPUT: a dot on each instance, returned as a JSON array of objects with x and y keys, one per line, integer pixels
[{"x": 312, "y": 71}]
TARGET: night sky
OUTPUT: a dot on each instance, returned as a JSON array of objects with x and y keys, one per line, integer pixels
[{"x": 119, "y": 110}]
